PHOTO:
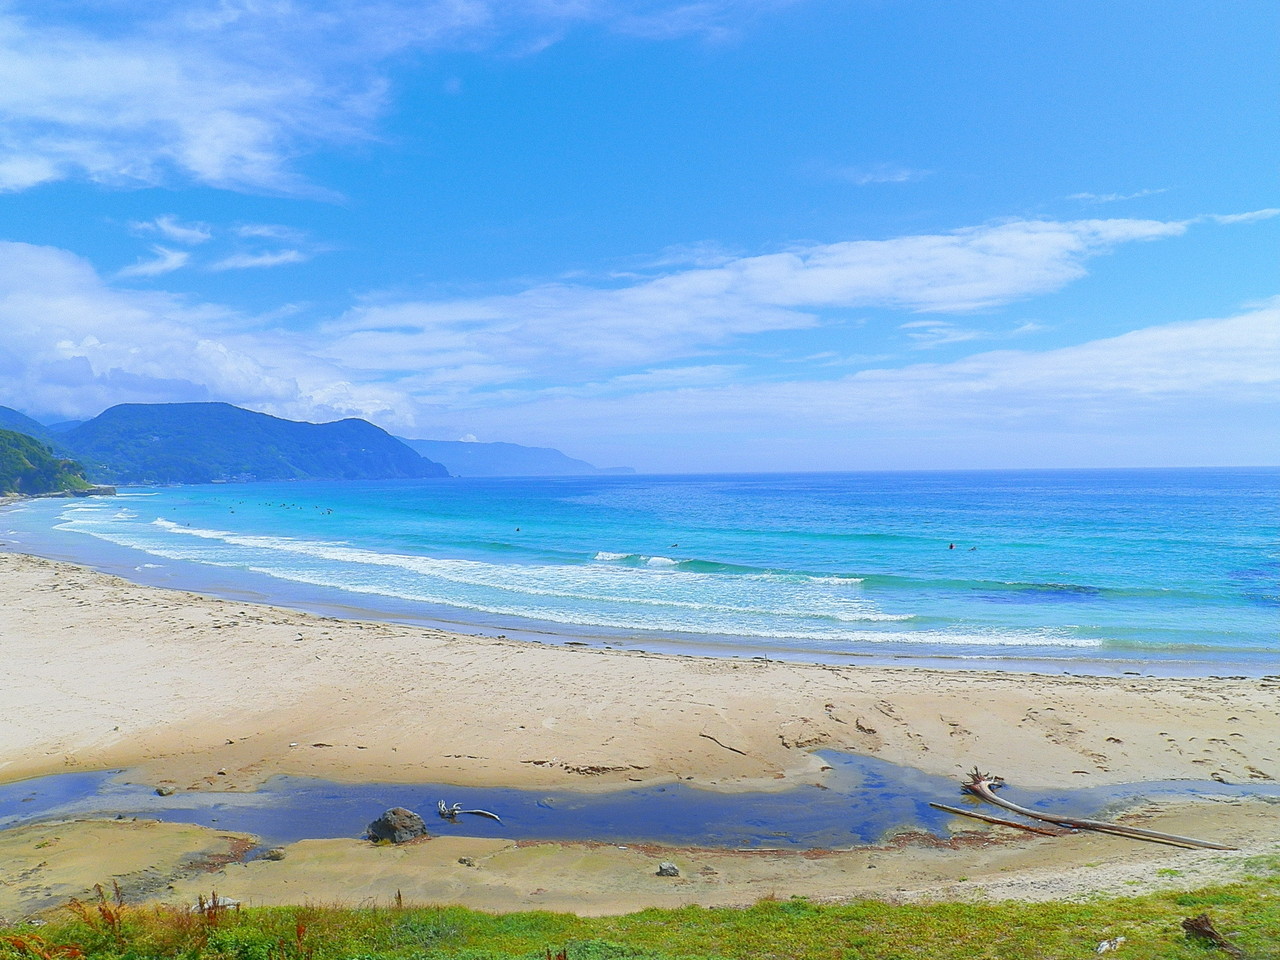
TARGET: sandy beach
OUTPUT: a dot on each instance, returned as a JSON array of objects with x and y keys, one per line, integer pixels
[{"x": 197, "y": 693}]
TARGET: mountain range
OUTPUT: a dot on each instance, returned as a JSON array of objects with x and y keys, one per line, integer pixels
[{"x": 145, "y": 443}]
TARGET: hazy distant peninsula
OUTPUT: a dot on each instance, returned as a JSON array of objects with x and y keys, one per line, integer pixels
[
  {"x": 472, "y": 459},
  {"x": 30, "y": 468},
  {"x": 137, "y": 443}
]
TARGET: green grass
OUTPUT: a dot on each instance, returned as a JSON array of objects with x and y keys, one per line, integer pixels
[{"x": 1247, "y": 912}]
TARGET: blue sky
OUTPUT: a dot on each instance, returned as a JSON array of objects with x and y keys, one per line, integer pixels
[{"x": 719, "y": 235}]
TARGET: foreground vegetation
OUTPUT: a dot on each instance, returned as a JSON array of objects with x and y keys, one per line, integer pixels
[{"x": 1246, "y": 912}]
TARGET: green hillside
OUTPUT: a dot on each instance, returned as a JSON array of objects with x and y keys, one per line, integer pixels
[
  {"x": 217, "y": 442},
  {"x": 11, "y": 419},
  {"x": 29, "y": 467}
]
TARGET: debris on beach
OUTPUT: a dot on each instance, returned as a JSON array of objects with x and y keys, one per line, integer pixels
[
  {"x": 1202, "y": 928},
  {"x": 999, "y": 821},
  {"x": 451, "y": 813},
  {"x": 983, "y": 786}
]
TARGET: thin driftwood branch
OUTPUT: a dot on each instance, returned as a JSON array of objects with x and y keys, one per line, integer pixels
[
  {"x": 989, "y": 819},
  {"x": 984, "y": 786}
]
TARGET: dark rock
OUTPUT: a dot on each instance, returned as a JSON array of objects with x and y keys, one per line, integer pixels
[
  {"x": 100, "y": 490},
  {"x": 275, "y": 853},
  {"x": 397, "y": 825},
  {"x": 466, "y": 861},
  {"x": 668, "y": 869}
]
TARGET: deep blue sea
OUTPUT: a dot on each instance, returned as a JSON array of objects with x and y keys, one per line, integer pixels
[{"x": 1172, "y": 571}]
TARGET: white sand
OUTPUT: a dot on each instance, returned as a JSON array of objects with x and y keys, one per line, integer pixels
[{"x": 208, "y": 694}]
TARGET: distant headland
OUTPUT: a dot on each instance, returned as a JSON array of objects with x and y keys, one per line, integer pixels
[{"x": 168, "y": 443}]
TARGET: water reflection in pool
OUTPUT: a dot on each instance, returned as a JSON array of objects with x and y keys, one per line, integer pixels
[{"x": 860, "y": 800}]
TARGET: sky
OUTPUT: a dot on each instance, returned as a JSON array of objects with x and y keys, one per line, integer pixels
[{"x": 718, "y": 235}]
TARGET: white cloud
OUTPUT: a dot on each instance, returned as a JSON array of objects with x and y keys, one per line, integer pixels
[
  {"x": 229, "y": 92},
  {"x": 937, "y": 333},
  {"x": 574, "y": 330},
  {"x": 1201, "y": 391},
  {"x": 248, "y": 261},
  {"x": 164, "y": 260},
  {"x": 168, "y": 226},
  {"x": 270, "y": 231},
  {"x": 934, "y": 332},
  {"x": 1115, "y": 197},
  {"x": 1251, "y": 217},
  {"x": 879, "y": 173},
  {"x": 138, "y": 107},
  {"x": 600, "y": 368},
  {"x": 716, "y": 21},
  {"x": 72, "y": 345}
]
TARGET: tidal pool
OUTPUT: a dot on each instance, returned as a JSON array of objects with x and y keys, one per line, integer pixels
[{"x": 860, "y": 800}]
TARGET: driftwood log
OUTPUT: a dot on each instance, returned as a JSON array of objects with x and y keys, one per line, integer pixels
[
  {"x": 985, "y": 818},
  {"x": 984, "y": 785},
  {"x": 1202, "y": 927},
  {"x": 452, "y": 813}
]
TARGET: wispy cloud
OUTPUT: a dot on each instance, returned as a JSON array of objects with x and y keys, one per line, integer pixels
[
  {"x": 937, "y": 333},
  {"x": 269, "y": 231},
  {"x": 74, "y": 344},
  {"x": 216, "y": 257},
  {"x": 1250, "y": 217},
  {"x": 164, "y": 260},
  {"x": 252, "y": 261},
  {"x": 1115, "y": 197},
  {"x": 868, "y": 175},
  {"x": 228, "y": 93},
  {"x": 171, "y": 228},
  {"x": 577, "y": 330},
  {"x": 144, "y": 104},
  {"x": 714, "y": 20},
  {"x": 1205, "y": 387}
]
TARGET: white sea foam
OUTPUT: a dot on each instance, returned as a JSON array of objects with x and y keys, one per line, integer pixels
[
  {"x": 656, "y": 595},
  {"x": 190, "y": 531},
  {"x": 728, "y": 603},
  {"x": 682, "y": 623}
]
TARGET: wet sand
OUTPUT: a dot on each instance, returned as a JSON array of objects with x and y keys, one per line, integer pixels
[
  {"x": 198, "y": 693},
  {"x": 42, "y": 865}
]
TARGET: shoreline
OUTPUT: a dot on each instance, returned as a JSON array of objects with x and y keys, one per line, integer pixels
[
  {"x": 255, "y": 587},
  {"x": 214, "y": 695},
  {"x": 164, "y": 679}
]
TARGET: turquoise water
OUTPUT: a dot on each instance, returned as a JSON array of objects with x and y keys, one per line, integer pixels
[{"x": 1170, "y": 569}]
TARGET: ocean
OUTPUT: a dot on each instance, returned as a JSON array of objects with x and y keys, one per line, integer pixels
[{"x": 1092, "y": 571}]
